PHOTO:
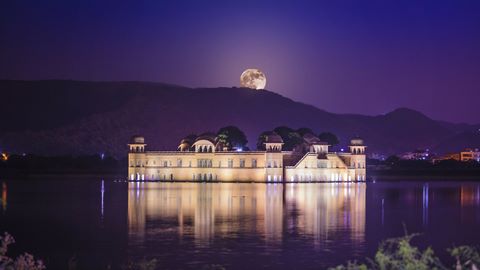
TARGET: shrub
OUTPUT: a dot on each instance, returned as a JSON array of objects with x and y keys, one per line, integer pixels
[
  {"x": 23, "y": 262},
  {"x": 398, "y": 253}
]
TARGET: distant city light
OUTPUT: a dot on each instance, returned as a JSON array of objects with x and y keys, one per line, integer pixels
[
  {"x": 4, "y": 156},
  {"x": 239, "y": 149},
  {"x": 102, "y": 156}
]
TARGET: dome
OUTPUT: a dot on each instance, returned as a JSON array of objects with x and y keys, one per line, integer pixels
[
  {"x": 273, "y": 137},
  {"x": 356, "y": 141},
  {"x": 187, "y": 140},
  {"x": 137, "y": 139},
  {"x": 184, "y": 146},
  {"x": 206, "y": 136}
]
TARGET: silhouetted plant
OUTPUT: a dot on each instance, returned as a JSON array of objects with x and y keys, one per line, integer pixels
[
  {"x": 143, "y": 264},
  {"x": 232, "y": 137},
  {"x": 290, "y": 137},
  {"x": 398, "y": 253},
  {"x": 329, "y": 137},
  {"x": 25, "y": 261},
  {"x": 304, "y": 130},
  {"x": 262, "y": 138},
  {"x": 466, "y": 257}
]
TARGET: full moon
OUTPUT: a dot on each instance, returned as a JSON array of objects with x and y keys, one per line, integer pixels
[{"x": 253, "y": 78}]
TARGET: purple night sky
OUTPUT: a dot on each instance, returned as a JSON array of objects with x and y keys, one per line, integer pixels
[{"x": 366, "y": 57}]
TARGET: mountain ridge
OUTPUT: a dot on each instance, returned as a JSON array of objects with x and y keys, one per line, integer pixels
[{"x": 79, "y": 117}]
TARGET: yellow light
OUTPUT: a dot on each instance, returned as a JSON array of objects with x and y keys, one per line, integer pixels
[{"x": 4, "y": 156}]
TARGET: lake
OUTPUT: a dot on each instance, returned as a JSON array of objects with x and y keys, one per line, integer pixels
[{"x": 100, "y": 222}]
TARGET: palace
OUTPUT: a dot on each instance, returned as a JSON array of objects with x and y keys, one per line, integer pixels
[{"x": 205, "y": 159}]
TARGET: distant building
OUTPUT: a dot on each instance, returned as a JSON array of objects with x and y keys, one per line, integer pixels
[
  {"x": 205, "y": 159},
  {"x": 470, "y": 154},
  {"x": 465, "y": 155}
]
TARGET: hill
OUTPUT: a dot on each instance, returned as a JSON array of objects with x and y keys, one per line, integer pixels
[{"x": 76, "y": 117}]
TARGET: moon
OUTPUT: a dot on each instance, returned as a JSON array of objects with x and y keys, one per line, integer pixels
[{"x": 253, "y": 78}]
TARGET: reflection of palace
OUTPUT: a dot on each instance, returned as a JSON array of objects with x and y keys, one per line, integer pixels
[
  {"x": 208, "y": 210},
  {"x": 330, "y": 207},
  {"x": 206, "y": 159},
  {"x": 469, "y": 195}
]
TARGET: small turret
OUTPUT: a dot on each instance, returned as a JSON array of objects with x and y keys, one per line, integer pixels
[
  {"x": 137, "y": 144},
  {"x": 273, "y": 142},
  {"x": 357, "y": 147}
]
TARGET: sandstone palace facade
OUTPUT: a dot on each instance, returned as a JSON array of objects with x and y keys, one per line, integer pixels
[{"x": 204, "y": 159}]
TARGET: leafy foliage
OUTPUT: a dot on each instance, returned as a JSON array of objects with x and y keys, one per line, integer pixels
[
  {"x": 143, "y": 264},
  {"x": 466, "y": 257},
  {"x": 304, "y": 130},
  {"x": 262, "y": 138},
  {"x": 329, "y": 137},
  {"x": 398, "y": 253},
  {"x": 24, "y": 261},
  {"x": 291, "y": 138},
  {"x": 232, "y": 137}
]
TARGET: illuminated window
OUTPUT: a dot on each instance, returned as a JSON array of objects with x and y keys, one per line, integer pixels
[{"x": 204, "y": 163}]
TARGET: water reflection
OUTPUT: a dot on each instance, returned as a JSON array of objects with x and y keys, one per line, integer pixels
[
  {"x": 270, "y": 211},
  {"x": 425, "y": 193},
  {"x": 470, "y": 195},
  {"x": 4, "y": 196}
]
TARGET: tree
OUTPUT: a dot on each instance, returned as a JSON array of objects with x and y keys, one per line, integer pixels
[
  {"x": 262, "y": 138},
  {"x": 283, "y": 131},
  {"x": 290, "y": 137},
  {"x": 232, "y": 137},
  {"x": 329, "y": 137},
  {"x": 304, "y": 130}
]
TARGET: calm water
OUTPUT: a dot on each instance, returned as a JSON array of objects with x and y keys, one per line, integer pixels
[{"x": 237, "y": 226}]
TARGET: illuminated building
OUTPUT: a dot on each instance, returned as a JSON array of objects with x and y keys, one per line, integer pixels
[
  {"x": 205, "y": 159},
  {"x": 465, "y": 155},
  {"x": 470, "y": 154}
]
